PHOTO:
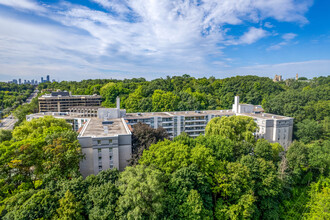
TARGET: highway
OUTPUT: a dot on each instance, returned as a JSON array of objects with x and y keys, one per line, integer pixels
[{"x": 9, "y": 122}]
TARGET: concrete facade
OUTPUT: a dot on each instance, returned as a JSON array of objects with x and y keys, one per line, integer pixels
[
  {"x": 106, "y": 145},
  {"x": 274, "y": 128},
  {"x": 63, "y": 101}
]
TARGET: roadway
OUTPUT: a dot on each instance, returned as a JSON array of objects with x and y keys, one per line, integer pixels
[{"x": 9, "y": 122}]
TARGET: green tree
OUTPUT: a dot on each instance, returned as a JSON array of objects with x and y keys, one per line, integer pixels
[
  {"x": 41, "y": 150},
  {"x": 167, "y": 156},
  {"x": 319, "y": 205},
  {"x": 233, "y": 187},
  {"x": 70, "y": 208},
  {"x": 142, "y": 193},
  {"x": 104, "y": 201},
  {"x": 298, "y": 156},
  {"x": 319, "y": 157},
  {"x": 204, "y": 159},
  {"x": 30, "y": 205},
  {"x": 111, "y": 91},
  {"x": 267, "y": 186},
  {"x": 263, "y": 149},
  {"x": 63, "y": 157},
  {"x": 236, "y": 128},
  {"x": 222, "y": 148},
  {"x": 180, "y": 185},
  {"x": 164, "y": 101},
  {"x": 193, "y": 207},
  {"x": 5, "y": 135},
  {"x": 309, "y": 130}
]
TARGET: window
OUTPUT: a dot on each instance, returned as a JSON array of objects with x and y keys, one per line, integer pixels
[
  {"x": 100, "y": 158},
  {"x": 99, "y": 142},
  {"x": 99, "y": 150},
  {"x": 110, "y": 157},
  {"x": 100, "y": 168},
  {"x": 111, "y": 166},
  {"x": 110, "y": 141}
]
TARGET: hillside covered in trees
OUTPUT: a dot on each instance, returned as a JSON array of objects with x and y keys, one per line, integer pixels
[{"x": 13, "y": 95}]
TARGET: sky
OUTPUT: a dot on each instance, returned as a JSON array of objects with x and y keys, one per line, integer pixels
[{"x": 75, "y": 40}]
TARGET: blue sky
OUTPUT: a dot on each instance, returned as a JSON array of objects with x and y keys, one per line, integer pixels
[{"x": 74, "y": 40}]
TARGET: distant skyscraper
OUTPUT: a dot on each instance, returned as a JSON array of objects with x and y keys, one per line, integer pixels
[
  {"x": 32, "y": 82},
  {"x": 42, "y": 80},
  {"x": 48, "y": 80},
  {"x": 24, "y": 81},
  {"x": 15, "y": 81},
  {"x": 19, "y": 81}
]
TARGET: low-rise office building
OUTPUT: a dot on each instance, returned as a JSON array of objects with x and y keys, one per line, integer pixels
[{"x": 64, "y": 101}]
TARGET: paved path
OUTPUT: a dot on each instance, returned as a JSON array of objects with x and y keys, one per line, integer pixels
[{"x": 8, "y": 123}]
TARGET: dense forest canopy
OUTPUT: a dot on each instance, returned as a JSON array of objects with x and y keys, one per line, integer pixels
[
  {"x": 12, "y": 95},
  {"x": 174, "y": 93}
]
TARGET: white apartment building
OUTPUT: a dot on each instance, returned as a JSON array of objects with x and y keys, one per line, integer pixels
[{"x": 106, "y": 139}]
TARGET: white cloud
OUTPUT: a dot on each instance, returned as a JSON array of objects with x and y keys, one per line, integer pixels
[
  {"x": 268, "y": 25},
  {"x": 253, "y": 35},
  {"x": 287, "y": 38},
  {"x": 23, "y": 4}
]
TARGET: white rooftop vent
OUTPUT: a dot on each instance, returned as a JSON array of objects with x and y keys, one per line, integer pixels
[
  {"x": 263, "y": 115},
  {"x": 273, "y": 116}
]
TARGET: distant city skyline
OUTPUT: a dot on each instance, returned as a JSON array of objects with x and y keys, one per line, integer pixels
[
  {"x": 76, "y": 40},
  {"x": 34, "y": 81}
]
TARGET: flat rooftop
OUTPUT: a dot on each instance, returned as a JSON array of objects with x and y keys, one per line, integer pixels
[
  {"x": 68, "y": 96},
  {"x": 147, "y": 115},
  {"x": 265, "y": 116},
  {"x": 179, "y": 113},
  {"x": 95, "y": 128},
  {"x": 202, "y": 113},
  {"x": 60, "y": 115}
]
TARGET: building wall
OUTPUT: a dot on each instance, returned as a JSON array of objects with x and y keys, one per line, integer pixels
[
  {"x": 87, "y": 164},
  {"x": 63, "y": 103},
  {"x": 105, "y": 152},
  {"x": 273, "y": 130}
]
